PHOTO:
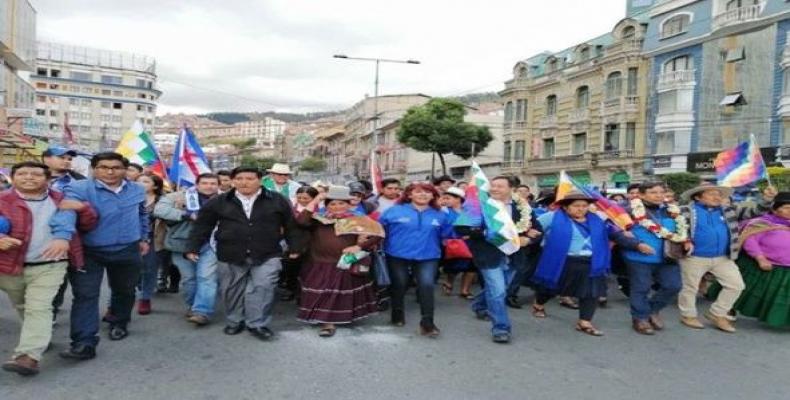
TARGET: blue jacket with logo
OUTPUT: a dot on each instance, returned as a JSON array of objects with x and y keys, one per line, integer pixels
[
  {"x": 415, "y": 235},
  {"x": 660, "y": 216}
]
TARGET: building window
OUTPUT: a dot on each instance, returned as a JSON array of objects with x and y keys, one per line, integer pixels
[
  {"x": 41, "y": 99},
  {"x": 53, "y": 113},
  {"x": 579, "y": 143},
  {"x": 675, "y": 25},
  {"x": 629, "y": 32},
  {"x": 117, "y": 106},
  {"x": 150, "y": 108},
  {"x": 86, "y": 102},
  {"x": 116, "y": 118},
  {"x": 665, "y": 142},
  {"x": 584, "y": 54},
  {"x": 112, "y": 80},
  {"x": 551, "y": 65},
  {"x": 139, "y": 107},
  {"x": 74, "y": 102},
  {"x": 582, "y": 97},
  {"x": 41, "y": 85},
  {"x": 141, "y": 95},
  {"x": 614, "y": 85},
  {"x": 508, "y": 111},
  {"x": 786, "y": 87},
  {"x": 734, "y": 55},
  {"x": 55, "y": 73},
  {"x": 85, "y": 115},
  {"x": 611, "y": 137},
  {"x": 41, "y": 72},
  {"x": 630, "y": 136},
  {"x": 106, "y": 92},
  {"x": 548, "y": 148},
  {"x": 87, "y": 90},
  {"x": 633, "y": 81},
  {"x": 680, "y": 63},
  {"x": 105, "y": 104},
  {"x": 521, "y": 110},
  {"x": 551, "y": 105},
  {"x": 507, "y": 148},
  {"x": 41, "y": 112},
  {"x": 519, "y": 150},
  {"x": 81, "y": 76},
  {"x": 736, "y": 4},
  {"x": 117, "y": 93}
]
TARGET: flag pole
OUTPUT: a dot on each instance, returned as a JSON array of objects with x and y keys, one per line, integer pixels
[{"x": 765, "y": 167}]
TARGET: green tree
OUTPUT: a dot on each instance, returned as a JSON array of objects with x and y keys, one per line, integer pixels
[
  {"x": 679, "y": 182},
  {"x": 263, "y": 164},
  {"x": 438, "y": 127},
  {"x": 312, "y": 164}
]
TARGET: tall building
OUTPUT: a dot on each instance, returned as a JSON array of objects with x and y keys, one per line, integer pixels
[
  {"x": 102, "y": 91},
  {"x": 720, "y": 73},
  {"x": 581, "y": 109},
  {"x": 17, "y": 55},
  {"x": 265, "y": 131}
]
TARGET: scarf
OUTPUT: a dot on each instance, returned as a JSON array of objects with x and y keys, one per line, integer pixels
[
  {"x": 765, "y": 223},
  {"x": 558, "y": 241},
  {"x": 288, "y": 190}
]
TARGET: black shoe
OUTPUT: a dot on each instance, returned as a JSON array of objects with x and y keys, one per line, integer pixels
[
  {"x": 398, "y": 318},
  {"x": 79, "y": 352},
  {"x": 481, "y": 315},
  {"x": 118, "y": 332},
  {"x": 172, "y": 289},
  {"x": 262, "y": 333},
  {"x": 233, "y": 329},
  {"x": 501, "y": 338},
  {"x": 429, "y": 329},
  {"x": 512, "y": 302},
  {"x": 161, "y": 287},
  {"x": 603, "y": 302}
]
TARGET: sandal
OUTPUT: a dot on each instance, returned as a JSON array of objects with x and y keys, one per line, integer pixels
[
  {"x": 327, "y": 332},
  {"x": 467, "y": 296},
  {"x": 568, "y": 302},
  {"x": 447, "y": 288},
  {"x": 538, "y": 311},
  {"x": 588, "y": 329}
]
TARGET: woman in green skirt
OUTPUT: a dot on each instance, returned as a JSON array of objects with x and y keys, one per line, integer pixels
[{"x": 765, "y": 266}]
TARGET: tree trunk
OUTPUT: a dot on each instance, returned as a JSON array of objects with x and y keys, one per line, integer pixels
[{"x": 444, "y": 165}]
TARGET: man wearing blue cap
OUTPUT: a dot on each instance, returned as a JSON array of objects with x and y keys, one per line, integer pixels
[{"x": 58, "y": 159}]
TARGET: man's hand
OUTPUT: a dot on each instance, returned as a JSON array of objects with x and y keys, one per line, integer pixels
[
  {"x": 769, "y": 193},
  {"x": 144, "y": 248},
  {"x": 645, "y": 249},
  {"x": 533, "y": 233},
  {"x": 523, "y": 241},
  {"x": 352, "y": 250},
  {"x": 689, "y": 247},
  {"x": 71, "y": 205},
  {"x": 58, "y": 249},
  {"x": 763, "y": 263},
  {"x": 8, "y": 243},
  {"x": 194, "y": 257}
]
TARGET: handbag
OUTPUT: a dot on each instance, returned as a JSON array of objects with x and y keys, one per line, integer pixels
[
  {"x": 455, "y": 249},
  {"x": 380, "y": 272},
  {"x": 673, "y": 250}
]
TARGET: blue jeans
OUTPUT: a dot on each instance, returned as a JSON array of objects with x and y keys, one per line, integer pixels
[
  {"x": 148, "y": 275},
  {"x": 642, "y": 277},
  {"x": 199, "y": 280},
  {"x": 123, "y": 271},
  {"x": 492, "y": 299},
  {"x": 424, "y": 272}
]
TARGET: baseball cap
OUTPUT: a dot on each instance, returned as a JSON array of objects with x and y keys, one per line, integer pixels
[{"x": 58, "y": 151}]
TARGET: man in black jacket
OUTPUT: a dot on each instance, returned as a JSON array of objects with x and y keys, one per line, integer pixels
[{"x": 250, "y": 221}]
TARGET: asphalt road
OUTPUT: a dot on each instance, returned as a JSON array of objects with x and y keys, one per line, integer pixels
[{"x": 167, "y": 358}]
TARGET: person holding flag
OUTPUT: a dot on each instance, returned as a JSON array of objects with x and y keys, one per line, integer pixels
[
  {"x": 497, "y": 229},
  {"x": 189, "y": 161},
  {"x": 138, "y": 147}
]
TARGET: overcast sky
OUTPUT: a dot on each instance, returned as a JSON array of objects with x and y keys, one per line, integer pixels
[{"x": 235, "y": 55}]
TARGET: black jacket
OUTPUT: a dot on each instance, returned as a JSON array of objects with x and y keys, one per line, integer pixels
[{"x": 243, "y": 241}]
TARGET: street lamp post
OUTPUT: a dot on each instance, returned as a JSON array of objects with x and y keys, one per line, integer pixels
[{"x": 378, "y": 61}]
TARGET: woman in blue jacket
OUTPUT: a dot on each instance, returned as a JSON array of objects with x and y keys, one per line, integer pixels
[{"x": 415, "y": 229}]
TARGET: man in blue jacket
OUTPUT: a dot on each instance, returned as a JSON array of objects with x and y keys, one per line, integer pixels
[
  {"x": 646, "y": 270},
  {"x": 116, "y": 244}
]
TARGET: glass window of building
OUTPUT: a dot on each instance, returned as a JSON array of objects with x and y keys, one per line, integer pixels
[
  {"x": 582, "y": 98},
  {"x": 630, "y": 136},
  {"x": 611, "y": 137},
  {"x": 551, "y": 105},
  {"x": 112, "y": 79},
  {"x": 579, "y": 143},
  {"x": 81, "y": 76},
  {"x": 614, "y": 85},
  {"x": 675, "y": 25},
  {"x": 548, "y": 148}
]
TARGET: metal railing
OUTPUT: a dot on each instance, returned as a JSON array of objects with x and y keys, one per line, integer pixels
[
  {"x": 96, "y": 57},
  {"x": 670, "y": 80},
  {"x": 579, "y": 115},
  {"x": 548, "y": 121},
  {"x": 513, "y": 164},
  {"x": 739, "y": 15}
]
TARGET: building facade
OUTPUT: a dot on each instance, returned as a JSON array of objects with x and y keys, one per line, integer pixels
[
  {"x": 100, "y": 93},
  {"x": 265, "y": 131},
  {"x": 719, "y": 74},
  {"x": 581, "y": 110}
]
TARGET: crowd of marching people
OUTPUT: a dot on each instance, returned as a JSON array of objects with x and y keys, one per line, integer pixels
[{"x": 247, "y": 238}]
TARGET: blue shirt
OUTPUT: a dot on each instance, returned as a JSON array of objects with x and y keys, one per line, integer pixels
[
  {"x": 415, "y": 235},
  {"x": 581, "y": 244},
  {"x": 123, "y": 219},
  {"x": 711, "y": 233}
]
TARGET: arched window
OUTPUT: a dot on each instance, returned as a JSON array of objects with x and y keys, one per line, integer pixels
[
  {"x": 584, "y": 54},
  {"x": 522, "y": 72},
  {"x": 508, "y": 111},
  {"x": 551, "y": 105},
  {"x": 679, "y": 63},
  {"x": 614, "y": 85},
  {"x": 629, "y": 32},
  {"x": 551, "y": 65},
  {"x": 582, "y": 97},
  {"x": 675, "y": 25}
]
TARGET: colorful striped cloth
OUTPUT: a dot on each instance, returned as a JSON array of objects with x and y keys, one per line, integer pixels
[
  {"x": 740, "y": 166},
  {"x": 605, "y": 208}
]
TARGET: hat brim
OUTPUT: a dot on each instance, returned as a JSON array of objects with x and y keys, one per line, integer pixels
[
  {"x": 571, "y": 199},
  {"x": 349, "y": 198},
  {"x": 271, "y": 171},
  {"x": 688, "y": 194}
]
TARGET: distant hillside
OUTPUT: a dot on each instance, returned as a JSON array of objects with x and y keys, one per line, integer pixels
[{"x": 477, "y": 98}]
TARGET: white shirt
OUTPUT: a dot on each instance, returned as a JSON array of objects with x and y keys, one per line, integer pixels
[{"x": 247, "y": 202}]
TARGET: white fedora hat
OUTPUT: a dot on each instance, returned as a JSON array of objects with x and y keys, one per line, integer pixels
[{"x": 279, "y": 168}]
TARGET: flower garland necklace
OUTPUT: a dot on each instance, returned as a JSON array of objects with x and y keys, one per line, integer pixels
[
  {"x": 681, "y": 225},
  {"x": 525, "y": 222}
]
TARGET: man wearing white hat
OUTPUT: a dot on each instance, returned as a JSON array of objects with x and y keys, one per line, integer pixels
[{"x": 279, "y": 180}]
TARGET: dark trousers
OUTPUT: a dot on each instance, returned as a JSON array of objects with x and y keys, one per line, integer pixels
[
  {"x": 523, "y": 271},
  {"x": 123, "y": 271},
  {"x": 57, "y": 302},
  {"x": 424, "y": 273},
  {"x": 587, "y": 305},
  {"x": 169, "y": 276},
  {"x": 642, "y": 277}
]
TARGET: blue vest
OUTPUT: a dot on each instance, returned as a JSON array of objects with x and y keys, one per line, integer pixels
[{"x": 643, "y": 235}]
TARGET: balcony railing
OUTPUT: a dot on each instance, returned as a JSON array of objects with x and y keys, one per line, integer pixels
[
  {"x": 615, "y": 154},
  {"x": 579, "y": 115},
  {"x": 513, "y": 164},
  {"x": 671, "y": 80},
  {"x": 571, "y": 161},
  {"x": 739, "y": 15},
  {"x": 549, "y": 121},
  {"x": 516, "y": 82}
]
